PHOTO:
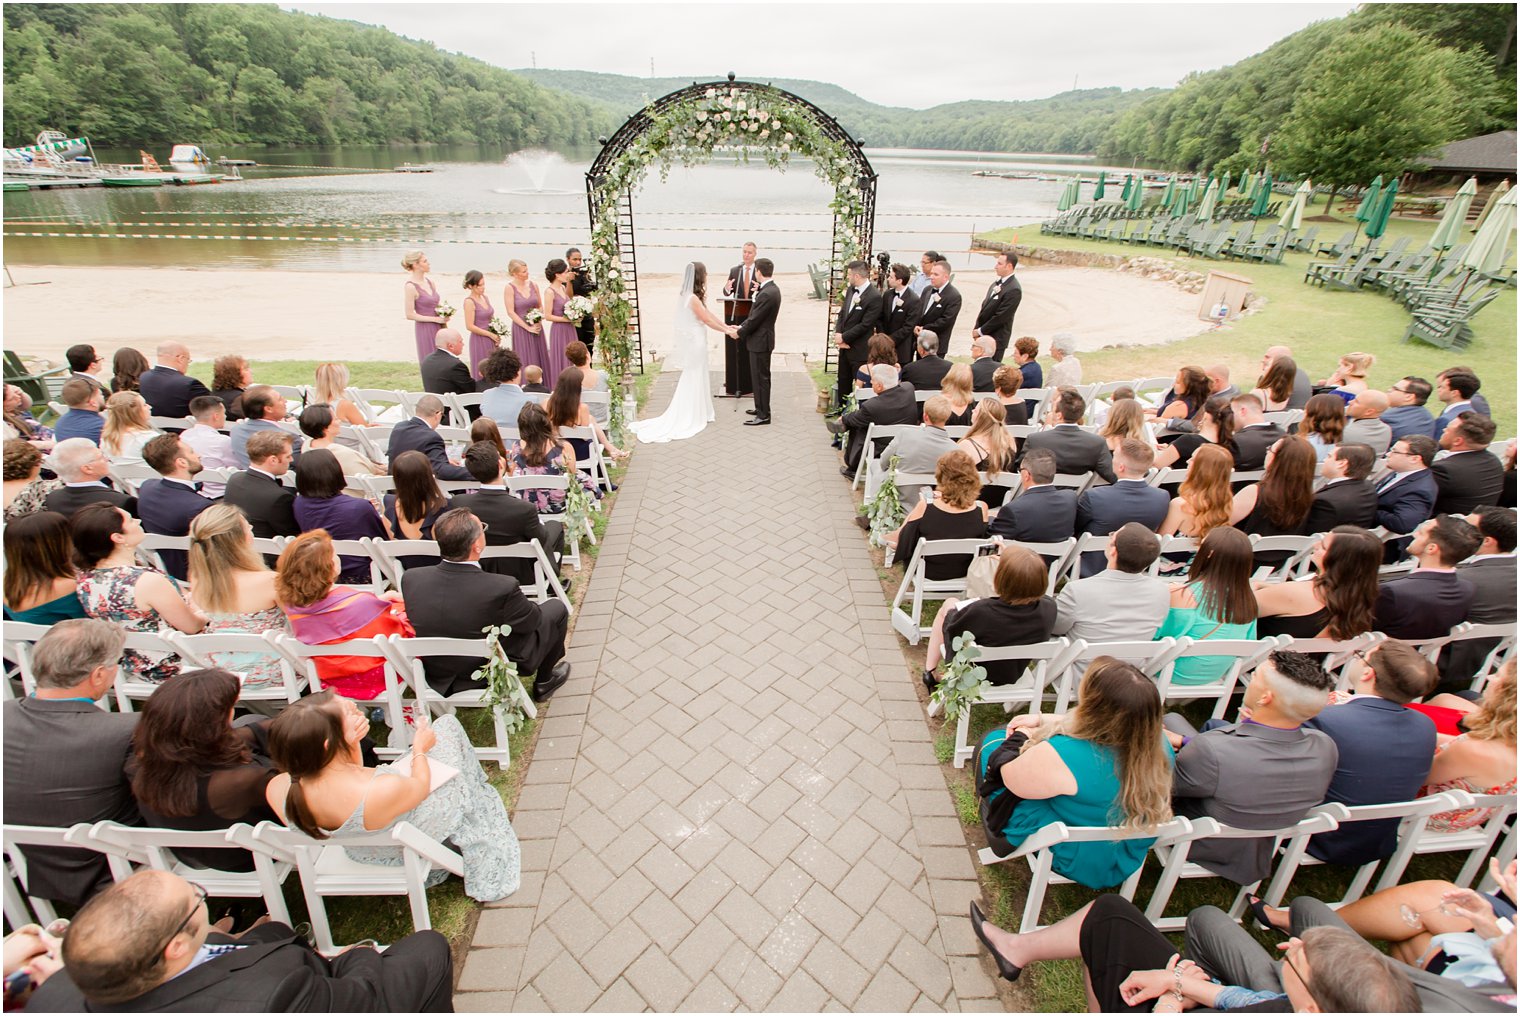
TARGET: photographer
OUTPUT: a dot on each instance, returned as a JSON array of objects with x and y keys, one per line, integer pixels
[{"x": 582, "y": 284}]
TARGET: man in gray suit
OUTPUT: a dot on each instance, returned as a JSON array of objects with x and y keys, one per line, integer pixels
[
  {"x": 65, "y": 758},
  {"x": 1264, "y": 772},
  {"x": 918, "y": 451},
  {"x": 1121, "y": 603},
  {"x": 1491, "y": 570}
]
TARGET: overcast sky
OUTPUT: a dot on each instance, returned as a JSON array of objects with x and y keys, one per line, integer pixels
[{"x": 918, "y": 54}]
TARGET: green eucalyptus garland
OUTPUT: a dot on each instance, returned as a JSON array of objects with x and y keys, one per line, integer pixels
[
  {"x": 963, "y": 681},
  {"x": 504, "y": 687}
]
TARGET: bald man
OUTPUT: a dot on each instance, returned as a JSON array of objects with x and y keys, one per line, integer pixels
[
  {"x": 165, "y": 387},
  {"x": 1219, "y": 382},
  {"x": 1363, "y": 425},
  {"x": 1302, "y": 386},
  {"x": 444, "y": 371}
]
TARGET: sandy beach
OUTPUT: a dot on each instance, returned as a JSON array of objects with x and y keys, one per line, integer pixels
[{"x": 287, "y": 315}]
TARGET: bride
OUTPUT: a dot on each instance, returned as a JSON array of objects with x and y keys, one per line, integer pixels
[{"x": 691, "y": 408}]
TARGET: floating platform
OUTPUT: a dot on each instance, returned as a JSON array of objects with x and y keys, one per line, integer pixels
[
  {"x": 224, "y": 161},
  {"x": 407, "y": 167}
]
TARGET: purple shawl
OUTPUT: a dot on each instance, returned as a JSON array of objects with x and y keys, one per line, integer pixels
[{"x": 335, "y": 616}]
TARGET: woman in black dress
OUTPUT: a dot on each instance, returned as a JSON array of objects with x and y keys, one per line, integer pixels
[
  {"x": 1338, "y": 602},
  {"x": 1215, "y": 425},
  {"x": 954, "y": 514},
  {"x": 1279, "y": 504},
  {"x": 416, "y": 503},
  {"x": 1020, "y": 615}
]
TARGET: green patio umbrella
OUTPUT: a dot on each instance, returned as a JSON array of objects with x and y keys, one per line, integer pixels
[
  {"x": 1369, "y": 202},
  {"x": 1455, "y": 216},
  {"x": 1136, "y": 197},
  {"x": 1263, "y": 196},
  {"x": 1171, "y": 188},
  {"x": 1488, "y": 206},
  {"x": 1250, "y": 191},
  {"x": 1487, "y": 251},
  {"x": 1293, "y": 216},
  {"x": 1210, "y": 199},
  {"x": 1224, "y": 187},
  {"x": 1102, "y": 183},
  {"x": 1377, "y": 225},
  {"x": 1196, "y": 190},
  {"x": 1129, "y": 185},
  {"x": 1065, "y": 200},
  {"x": 1180, "y": 202}
]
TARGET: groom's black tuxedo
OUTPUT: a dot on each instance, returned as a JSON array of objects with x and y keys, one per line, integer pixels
[
  {"x": 899, "y": 313},
  {"x": 857, "y": 320},
  {"x": 938, "y": 316},
  {"x": 995, "y": 319},
  {"x": 758, "y": 333}
]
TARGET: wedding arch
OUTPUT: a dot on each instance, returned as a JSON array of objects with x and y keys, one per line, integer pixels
[{"x": 687, "y": 126}]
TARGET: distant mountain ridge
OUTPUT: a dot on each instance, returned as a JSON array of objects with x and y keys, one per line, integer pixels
[{"x": 1070, "y": 122}]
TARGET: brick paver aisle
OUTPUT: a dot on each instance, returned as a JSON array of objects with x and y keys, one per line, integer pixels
[{"x": 734, "y": 803}]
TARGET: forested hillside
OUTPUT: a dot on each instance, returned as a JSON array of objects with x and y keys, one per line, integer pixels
[{"x": 224, "y": 73}]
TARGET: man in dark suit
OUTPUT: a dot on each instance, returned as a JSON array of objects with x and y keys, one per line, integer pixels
[
  {"x": 443, "y": 371},
  {"x": 82, "y": 361},
  {"x": 758, "y": 334},
  {"x": 582, "y": 284},
  {"x": 927, "y": 372},
  {"x": 1407, "y": 495},
  {"x": 458, "y": 599},
  {"x": 899, "y": 313},
  {"x": 1429, "y": 601},
  {"x": 165, "y": 387},
  {"x": 983, "y": 366},
  {"x": 117, "y": 959},
  {"x": 82, "y": 467},
  {"x": 1348, "y": 497},
  {"x": 1076, "y": 450},
  {"x": 1104, "y": 510},
  {"x": 1261, "y": 773},
  {"x": 420, "y": 434},
  {"x": 894, "y": 402},
  {"x": 508, "y": 518},
  {"x": 1470, "y": 475},
  {"x": 1042, "y": 513},
  {"x": 1253, "y": 434},
  {"x": 1492, "y": 573},
  {"x": 257, "y": 491},
  {"x": 1366, "y": 771},
  {"x": 941, "y": 305},
  {"x": 859, "y": 313},
  {"x": 742, "y": 284},
  {"x": 1457, "y": 389},
  {"x": 64, "y": 758},
  {"x": 995, "y": 318},
  {"x": 168, "y": 505},
  {"x": 1407, "y": 413}
]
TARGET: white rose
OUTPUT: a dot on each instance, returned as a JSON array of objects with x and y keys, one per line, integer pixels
[
  {"x": 701, "y": 116},
  {"x": 765, "y": 133},
  {"x": 711, "y": 92},
  {"x": 612, "y": 274},
  {"x": 788, "y": 137},
  {"x": 753, "y": 127},
  {"x": 776, "y": 125},
  {"x": 739, "y": 104}
]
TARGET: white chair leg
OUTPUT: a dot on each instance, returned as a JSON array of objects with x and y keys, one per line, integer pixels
[{"x": 1039, "y": 879}]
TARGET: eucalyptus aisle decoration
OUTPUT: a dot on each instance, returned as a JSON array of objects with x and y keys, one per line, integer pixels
[
  {"x": 504, "y": 688},
  {"x": 748, "y": 121},
  {"x": 580, "y": 507},
  {"x": 963, "y": 681},
  {"x": 885, "y": 511}
]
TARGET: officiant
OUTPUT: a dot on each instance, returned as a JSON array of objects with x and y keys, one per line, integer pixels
[{"x": 738, "y": 292}]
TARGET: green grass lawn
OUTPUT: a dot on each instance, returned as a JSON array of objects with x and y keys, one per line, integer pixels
[{"x": 1317, "y": 324}]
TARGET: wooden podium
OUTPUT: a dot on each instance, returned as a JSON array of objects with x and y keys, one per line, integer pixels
[{"x": 736, "y": 373}]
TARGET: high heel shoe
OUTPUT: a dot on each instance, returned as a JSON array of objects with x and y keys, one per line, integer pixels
[
  {"x": 1258, "y": 910},
  {"x": 1008, "y": 971}
]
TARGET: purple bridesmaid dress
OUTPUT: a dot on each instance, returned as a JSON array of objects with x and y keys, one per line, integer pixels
[
  {"x": 427, "y": 331},
  {"x": 530, "y": 347},
  {"x": 561, "y": 334},
  {"x": 480, "y": 346}
]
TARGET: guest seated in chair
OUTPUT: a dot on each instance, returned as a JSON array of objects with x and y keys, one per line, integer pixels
[
  {"x": 1481, "y": 760},
  {"x": 1216, "y": 602},
  {"x": 953, "y": 514},
  {"x": 1338, "y": 602},
  {"x": 41, "y": 586},
  {"x": 894, "y": 404},
  {"x": 1019, "y": 615},
  {"x": 1042, "y": 512}
]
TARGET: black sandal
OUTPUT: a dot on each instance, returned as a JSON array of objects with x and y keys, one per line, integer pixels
[
  {"x": 1008, "y": 971},
  {"x": 1258, "y": 908}
]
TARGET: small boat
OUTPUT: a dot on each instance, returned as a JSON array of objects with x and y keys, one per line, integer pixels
[
  {"x": 407, "y": 167},
  {"x": 224, "y": 161},
  {"x": 132, "y": 180},
  {"x": 12, "y": 186}
]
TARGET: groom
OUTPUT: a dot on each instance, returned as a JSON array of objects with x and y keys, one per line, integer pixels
[{"x": 758, "y": 333}]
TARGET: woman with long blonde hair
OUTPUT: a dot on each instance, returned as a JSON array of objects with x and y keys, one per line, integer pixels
[
  {"x": 990, "y": 446},
  {"x": 1480, "y": 760},
  {"x": 128, "y": 426},
  {"x": 330, "y": 388},
  {"x": 957, "y": 387},
  {"x": 1203, "y": 501},
  {"x": 232, "y": 586},
  {"x": 1126, "y": 419}
]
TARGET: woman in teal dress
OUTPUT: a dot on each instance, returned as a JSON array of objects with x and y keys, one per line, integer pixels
[
  {"x": 1216, "y": 602},
  {"x": 1107, "y": 763},
  {"x": 40, "y": 584}
]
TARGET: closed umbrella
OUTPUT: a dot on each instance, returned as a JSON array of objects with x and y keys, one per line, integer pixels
[
  {"x": 1224, "y": 187},
  {"x": 1129, "y": 185},
  {"x": 1455, "y": 216},
  {"x": 1369, "y": 203},
  {"x": 1180, "y": 201},
  {"x": 1210, "y": 198},
  {"x": 1490, "y": 248},
  {"x": 1098, "y": 190},
  {"x": 1293, "y": 216},
  {"x": 1136, "y": 196},
  {"x": 1171, "y": 188},
  {"x": 1377, "y": 225},
  {"x": 1488, "y": 206},
  {"x": 1263, "y": 196},
  {"x": 1064, "y": 201},
  {"x": 1196, "y": 191}
]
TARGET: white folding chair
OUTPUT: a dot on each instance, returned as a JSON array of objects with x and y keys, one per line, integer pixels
[
  {"x": 20, "y": 639},
  {"x": 1503, "y": 637},
  {"x": 875, "y": 431},
  {"x": 327, "y": 870},
  {"x": 595, "y": 465},
  {"x": 364, "y": 547},
  {"x": 1243, "y": 656},
  {"x": 1041, "y": 399},
  {"x": 128, "y": 474},
  {"x": 1339, "y": 657},
  {"x": 207, "y": 647},
  {"x": 1147, "y": 656},
  {"x": 154, "y": 848},
  {"x": 546, "y": 583},
  {"x": 459, "y": 405},
  {"x": 1075, "y": 482},
  {"x": 1477, "y": 841},
  {"x": 1284, "y": 418},
  {"x": 300, "y": 663},
  {"x": 375, "y": 442},
  {"x": 409, "y": 402},
  {"x": 1048, "y": 662},
  {"x": 1087, "y": 543},
  {"x": 1167, "y": 477},
  {"x": 1059, "y": 553},
  {"x": 130, "y": 689},
  {"x": 1298, "y": 549},
  {"x": 169, "y": 423},
  {"x": 293, "y": 393},
  {"x": 394, "y": 552},
  {"x": 376, "y": 403},
  {"x": 20, "y": 905},
  {"x": 909, "y": 623},
  {"x": 410, "y": 655},
  {"x": 519, "y": 484},
  {"x": 1151, "y": 391}
]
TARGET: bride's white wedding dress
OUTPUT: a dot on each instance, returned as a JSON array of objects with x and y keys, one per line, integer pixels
[{"x": 691, "y": 408}]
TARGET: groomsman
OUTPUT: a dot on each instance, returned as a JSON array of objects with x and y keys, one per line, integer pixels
[
  {"x": 858, "y": 316},
  {"x": 899, "y": 313},
  {"x": 742, "y": 283},
  {"x": 995, "y": 319},
  {"x": 581, "y": 284},
  {"x": 941, "y": 306}
]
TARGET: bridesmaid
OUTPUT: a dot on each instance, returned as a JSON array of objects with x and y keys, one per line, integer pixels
[
  {"x": 561, "y": 331},
  {"x": 521, "y": 296},
  {"x": 421, "y": 303},
  {"x": 477, "y": 314}
]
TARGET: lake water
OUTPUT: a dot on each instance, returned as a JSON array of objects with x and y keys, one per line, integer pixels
[{"x": 483, "y": 206}]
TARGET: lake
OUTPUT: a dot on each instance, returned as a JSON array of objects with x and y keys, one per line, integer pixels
[{"x": 482, "y": 206}]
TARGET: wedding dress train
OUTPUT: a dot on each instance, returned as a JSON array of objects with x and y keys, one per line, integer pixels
[{"x": 691, "y": 408}]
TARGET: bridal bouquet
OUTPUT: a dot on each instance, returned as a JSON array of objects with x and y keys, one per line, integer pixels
[
  {"x": 445, "y": 310},
  {"x": 577, "y": 307},
  {"x": 533, "y": 316},
  {"x": 498, "y": 327}
]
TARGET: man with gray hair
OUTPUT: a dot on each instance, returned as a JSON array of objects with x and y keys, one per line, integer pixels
[
  {"x": 445, "y": 370},
  {"x": 983, "y": 365},
  {"x": 894, "y": 402},
  {"x": 918, "y": 451},
  {"x": 1067, "y": 371},
  {"x": 928, "y": 372},
  {"x": 82, "y": 467},
  {"x": 420, "y": 434},
  {"x": 1263, "y": 772},
  {"x": 166, "y": 388},
  {"x": 65, "y": 758}
]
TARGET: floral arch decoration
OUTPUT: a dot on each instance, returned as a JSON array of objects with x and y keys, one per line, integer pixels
[{"x": 687, "y": 126}]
